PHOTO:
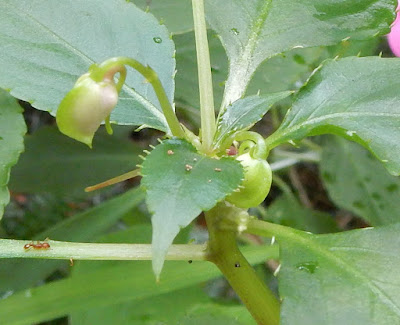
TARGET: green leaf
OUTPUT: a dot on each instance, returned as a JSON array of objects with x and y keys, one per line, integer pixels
[
  {"x": 253, "y": 31},
  {"x": 177, "y": 15},
  {"x": 180, "y": 184},
  {"x": 80, "y": 227},
  {"x": 12, "y": 130},
  {"x": 46, "y": 46},
  {"x": 356, "y": 181},
  {"x": 344, "y": 278},
  {"x": 146, "y": 311},
  {"x": 244, "y": 113},
  {"x": 280, "y": 73},
  {"x": 291, "y": 69},
  {"x": 124, "y": 281},
  {"x": 217, "y": 314},
  {"x": 151, "y": 311},
  {"x": 287, "y": 211},
  {"x": 353, "y": 97},
  {"x": 57, "y": 164}
]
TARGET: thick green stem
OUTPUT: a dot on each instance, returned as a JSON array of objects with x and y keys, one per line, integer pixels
[
  {"x": 92, "y": 251},
  {"x": 224, "y": 252},
  {"x": 152, "y": 77},
  {"x": 208, "y": 126}
]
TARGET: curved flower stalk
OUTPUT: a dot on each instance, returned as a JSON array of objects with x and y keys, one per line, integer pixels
[
  {"x": 394, "y": 35},
  {"x": 95, "y": 95}
]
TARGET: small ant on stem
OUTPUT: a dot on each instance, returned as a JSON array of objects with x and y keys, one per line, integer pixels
[{"x": 38, "y": 245}]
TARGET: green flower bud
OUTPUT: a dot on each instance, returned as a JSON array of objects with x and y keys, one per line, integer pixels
[
  {"x": 256, "y": 184},
  {"x": 85, "y": 107}
]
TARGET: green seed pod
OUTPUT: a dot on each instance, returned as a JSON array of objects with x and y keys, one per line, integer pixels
[
  {"x": 256, "y": 184},
  {"x": 85, "y": 107}
]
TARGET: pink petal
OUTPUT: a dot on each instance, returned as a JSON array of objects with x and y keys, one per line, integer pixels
[{"x": 394, "y": 35}]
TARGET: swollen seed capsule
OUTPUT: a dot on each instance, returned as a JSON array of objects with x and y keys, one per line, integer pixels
[
  {"x": 256, "y": 184},
  {"x": 85, "y": 107}
]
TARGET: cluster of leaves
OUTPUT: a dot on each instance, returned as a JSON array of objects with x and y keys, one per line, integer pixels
[{"x": 338, "y": 278}]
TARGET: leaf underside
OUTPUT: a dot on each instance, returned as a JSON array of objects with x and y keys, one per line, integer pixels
[
  {"x": 180, "y": 184},
  {"x": 167, "y": 13},
  {"x": 47, "y": 45},
  {"x": 252, "y": 31}
]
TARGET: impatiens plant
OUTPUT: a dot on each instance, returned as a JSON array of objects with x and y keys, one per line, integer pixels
[{"x": 281, "y": 71}]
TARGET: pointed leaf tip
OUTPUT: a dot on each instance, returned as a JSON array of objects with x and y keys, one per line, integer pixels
[{"x": 177, "y": 194}]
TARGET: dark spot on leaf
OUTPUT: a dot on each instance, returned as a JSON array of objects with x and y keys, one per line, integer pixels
[
  {"x": 328, "y": 177},
  {"x": 358, "y": 204},
  {"x": 145, "y": 317},
  {"x": 237, "y": 264},
  {"x": 376, "y": 196},
  {"x": 299, "y": 59},
  {"x": 235, "y": 31},
  {"x": 190, "y": 261},
  {"x": 157, "y": 40},
  {"x": 309, "y": 267},
  {"x": 392, "y": 187},
  {"x": 370, "y": 155}
]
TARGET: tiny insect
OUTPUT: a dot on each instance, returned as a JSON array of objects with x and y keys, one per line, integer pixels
[{"x": 38, "y": 245}]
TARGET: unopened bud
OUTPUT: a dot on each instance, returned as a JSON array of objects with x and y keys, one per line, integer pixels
[{"x": 85, "y": 107}]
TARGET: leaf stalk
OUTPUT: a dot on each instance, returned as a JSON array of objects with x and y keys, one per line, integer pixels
[{"x": 116, "y": 64}]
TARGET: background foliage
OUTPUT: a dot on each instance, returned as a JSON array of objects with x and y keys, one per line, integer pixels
[{"x": 315, "y": 49}]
